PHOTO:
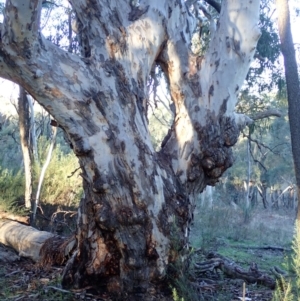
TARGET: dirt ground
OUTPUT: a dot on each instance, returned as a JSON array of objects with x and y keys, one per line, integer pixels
[
  {"x": 22, "y": 280},
  {"x": 26, "y": 281}
]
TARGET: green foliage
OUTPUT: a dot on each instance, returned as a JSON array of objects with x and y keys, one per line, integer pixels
[
  {"x": 180, "y": 278},
  {"x": 62, "y": 183},
  {"x": 55, "y": 25},
  {"x": 159, "y": 124},
  {"x": 221, "y": 224},
  {"x": 289, "y": 289},
  {"x": 267, "y": 50},
  {"x": 296, "y": 255},
  {"x": 11, "y": 191},
  {"x": 283, "y": 291},
  {"x": 270, "y": 143},
  {"x": 179, "y": 272},
  {"x": 160, "y": 116},
  {"x": 176, "y": 296},
  {"x": 266, "y": 72},
  {"x": 10, "y": 151}
]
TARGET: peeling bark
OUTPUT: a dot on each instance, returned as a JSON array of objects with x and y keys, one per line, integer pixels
[{"x": 138, "y": 203}]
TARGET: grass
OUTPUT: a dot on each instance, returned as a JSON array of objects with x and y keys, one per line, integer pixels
[
  {"x": 288, "y": 288},
  {"x": 231, "y": 232},
  {"x": 222, "y": 224},
  {"x": 11, "y": 191},
  {"x": 226, "y": 231},
  {"x": 62, "y": 184}
]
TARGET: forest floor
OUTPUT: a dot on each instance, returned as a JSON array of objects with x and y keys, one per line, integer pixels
[{"x": 264, "y": 238}]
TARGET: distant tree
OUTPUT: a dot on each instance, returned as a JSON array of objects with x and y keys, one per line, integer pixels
[
  {"x": 292, "y": 83},
  {"x": 27, "y": 150}
]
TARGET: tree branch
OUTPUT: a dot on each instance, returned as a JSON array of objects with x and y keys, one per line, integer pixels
[
  {"x": 265, "y": 114},
  {"x": 195, "y": 89},
  {"x": 214, "y": 4},
  {"x": 22, "y": 21}
]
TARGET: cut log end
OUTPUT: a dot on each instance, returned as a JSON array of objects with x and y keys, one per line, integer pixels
[{"x": 56, "y": 250}]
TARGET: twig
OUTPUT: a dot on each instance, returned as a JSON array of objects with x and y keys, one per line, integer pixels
[
  {"x": 73, "y": 172},
  {"x": 59, "y": 289},
  {"x": 12, "y": 273}
]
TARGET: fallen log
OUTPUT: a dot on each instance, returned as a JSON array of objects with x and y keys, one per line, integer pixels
[
  {"x": 21, "y": 219},
  {"x": 231, "y": 269},
  {"x": 40, "y": 246}
]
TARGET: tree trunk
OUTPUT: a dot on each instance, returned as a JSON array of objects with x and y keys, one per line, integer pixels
[
  {"x": 42, "y": 175},
  {"x": 26, "y": 240},
  {"x": 33, "y": 136},
  {"x": 24, "y": 125},
  {"x": 134, "y": 218},
  {"x": 248, "y": 196},
  {"x": 293, "y": 84}
]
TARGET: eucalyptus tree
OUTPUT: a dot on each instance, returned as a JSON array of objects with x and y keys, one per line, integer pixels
[
  {"x": 27, "y": 150},
  {"x": 292, "y": 82},
  {"x": 133, "y": 220}
]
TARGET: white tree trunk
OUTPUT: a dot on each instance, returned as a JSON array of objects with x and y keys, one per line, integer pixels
[
  {"x": 247, "y": 205},
  {"x": 24, "y": 127},
  {"x": 135, "y": 197},
  {"x": 33, "y": 137},
  {"x": 43, "y": 171}
]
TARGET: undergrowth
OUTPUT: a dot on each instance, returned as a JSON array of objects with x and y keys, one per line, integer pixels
[
  {"x": 11, "y": 191},
  {"x": 288, "y": 288},
  {"x": 62, "y": 184}
]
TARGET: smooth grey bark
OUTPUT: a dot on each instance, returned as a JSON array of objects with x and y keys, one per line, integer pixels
[
  {"x": 42, "y": 174},
  {"x": 247, "y": 203},
  {"x": 133, "y": 220},
  {"x": 33, "y": 136},
  {"x": 24, "y": 126},
  {"x": 293, "y": 84}
]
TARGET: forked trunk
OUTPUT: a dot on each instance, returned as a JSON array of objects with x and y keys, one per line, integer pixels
[{"x": 133, "y": 221}]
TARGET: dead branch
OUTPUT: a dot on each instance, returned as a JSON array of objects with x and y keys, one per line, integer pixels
[
  {"x": 272, "y": 248},
  {"x": 232, "y": 270},
  {"x": 265, "y": 114},
  {"x": 59, "y": 289}
]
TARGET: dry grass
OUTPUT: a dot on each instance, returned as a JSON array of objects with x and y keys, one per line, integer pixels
[{"x": 261, "y": 227}]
